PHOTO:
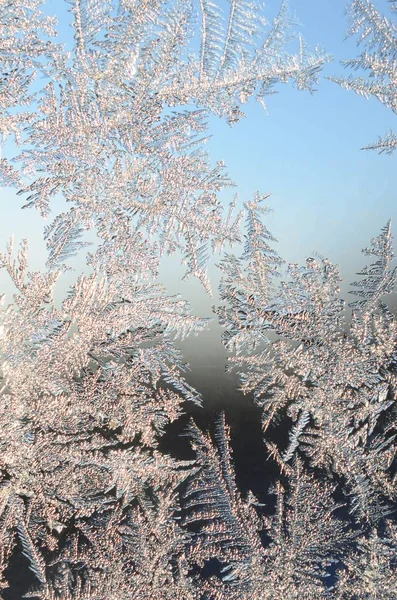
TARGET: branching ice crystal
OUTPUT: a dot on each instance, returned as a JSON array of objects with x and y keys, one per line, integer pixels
[
  {"x": 305, "y": 537},
  {"x": 110, "y": 134},
  {"x": 336, "y": 380},
  {"x": 378, "y": 35}
]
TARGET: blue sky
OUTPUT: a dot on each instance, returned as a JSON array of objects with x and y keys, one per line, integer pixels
[{"x": 327, "y": 194}]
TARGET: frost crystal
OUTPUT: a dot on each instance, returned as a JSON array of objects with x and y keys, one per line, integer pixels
[{"x": 378, "y": 35}]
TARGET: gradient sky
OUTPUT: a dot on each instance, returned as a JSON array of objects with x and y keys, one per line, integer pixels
[{"x": 327, "y": 194}]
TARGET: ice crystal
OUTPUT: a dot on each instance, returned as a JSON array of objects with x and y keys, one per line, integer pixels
[
  {"x": 378, "y": 35},
  {"x": 120, "y": 132},
  {"x": 304, "y": 534},
  {"x": 335, "y": 379}
]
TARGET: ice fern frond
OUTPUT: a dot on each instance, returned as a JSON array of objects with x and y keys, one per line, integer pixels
[
  {"x": 211, "y": 36},
  {"x": 295, "y": 434},
  {"x": 318, "y": 360},
  {"x": 25, "y": 51},
  {"x": 242, "y": 27},
  {"x": 64, "y": 239},
  {"x": 378, "y": 35},
  {"x": 262, "y": 260},
  {"x": 385, "y": 145},
  {"x": 248, "y": 283},
  {"x": 36, "y": 562},
  {"x": 228, "y": 525},
  {"x": 306, "y": 537},
  {"x": 372, "y": 27},
  {"x": 90, "y": 17},
  {"x": 378, "y": 279},
  {"x": 371, "y": 568}
]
